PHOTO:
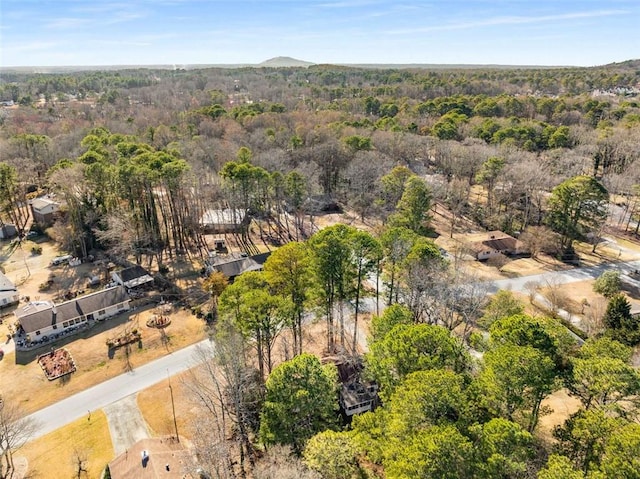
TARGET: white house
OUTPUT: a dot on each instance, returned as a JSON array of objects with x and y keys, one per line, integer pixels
[
  {"x": 8, "y": 292},
  {"x": 40, "y": 319}
]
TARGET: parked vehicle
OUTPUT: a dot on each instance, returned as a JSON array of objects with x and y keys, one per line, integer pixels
[{"x": 58, "y": 260}]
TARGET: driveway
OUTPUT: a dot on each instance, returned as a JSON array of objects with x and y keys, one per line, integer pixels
[{"x": 126, "y": 424}]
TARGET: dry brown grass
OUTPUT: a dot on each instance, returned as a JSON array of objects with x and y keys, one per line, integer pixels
[
  {"x": 155, "y": 405},
  {"x": 24, "y": 382},
  {"x": 562, "y": 406},
  {"x": 53, "y": 455},
  {"x": 347, "y": 218}
]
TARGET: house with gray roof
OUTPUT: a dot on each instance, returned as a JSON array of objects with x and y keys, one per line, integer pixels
[
  {"x": 8, "y": 292},
  {"x": 41, "y": 319},
  {"x": 44, "y": 210},
  {"x": 234, "y": 264},
  {"x": 132, "y": 277}
]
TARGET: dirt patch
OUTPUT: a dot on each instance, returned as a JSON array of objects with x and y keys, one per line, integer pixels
[
  {"x": 561, "y": 405},
  {"x": 347, "y": 218},
  {"x": 57, "y": 363}
]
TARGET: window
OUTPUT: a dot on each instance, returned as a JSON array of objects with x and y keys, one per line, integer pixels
[
  {"x": 37, "y": 333},
  {"x": 55, "y": 326},
  {"x": 65, "y": 324},
  {"x": 101, "y": 312}
]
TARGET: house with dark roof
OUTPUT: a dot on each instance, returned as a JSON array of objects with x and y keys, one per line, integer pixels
[
  {"x": 8, "y": 231},
  {"x": 132, "y": 277},
  {"x": 234, "y": 264},
  {"x": 493, "y": 243},
  {"x": 8, "y": 292},
  {"x": 40, "y": 319},
  {"x": 44, "y": 210}
]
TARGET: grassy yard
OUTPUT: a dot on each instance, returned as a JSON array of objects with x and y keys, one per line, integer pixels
[
  {"x": 155, "y": 405},
  {"x": 56, "y": 454}
]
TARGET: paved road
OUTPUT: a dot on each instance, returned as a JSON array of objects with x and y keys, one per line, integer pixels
[
  {"x": 108, "y": 392},
  {"x": 564, "y": 277},
  {"x": 101, "y": 395}
]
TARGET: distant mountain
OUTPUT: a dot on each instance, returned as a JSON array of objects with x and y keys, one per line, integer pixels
[{"x": 279, "y": 62}]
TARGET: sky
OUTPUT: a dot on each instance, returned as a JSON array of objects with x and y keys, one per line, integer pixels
[{"x": 189, "y": 32}]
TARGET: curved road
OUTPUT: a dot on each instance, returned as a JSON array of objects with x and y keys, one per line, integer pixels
[
  {"x": 108, "y": 392},
  {"x": 101, "y": 395},
  {"x": 564, "y": 277}
]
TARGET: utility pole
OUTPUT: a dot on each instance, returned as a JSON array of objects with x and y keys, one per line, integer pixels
[{"x": 173, "y": 407}]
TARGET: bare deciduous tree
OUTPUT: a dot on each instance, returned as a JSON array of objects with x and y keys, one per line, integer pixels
[
  {"x": 556, "y": 296},
  {"x": 539, "y": 239},
  {"x": 15, "y": 431},
  {"x": 230, "y": 391},
  {"x": 594, "y": 312},
  {"x": 280, "y": 463}
]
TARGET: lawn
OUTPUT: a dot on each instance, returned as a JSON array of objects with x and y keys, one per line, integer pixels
[
  {"x": 155, "y": 405},
  {"x": 56, "y": 454}
]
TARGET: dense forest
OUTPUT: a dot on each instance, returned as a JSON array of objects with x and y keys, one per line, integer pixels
[{"x": 137, "y": 157}]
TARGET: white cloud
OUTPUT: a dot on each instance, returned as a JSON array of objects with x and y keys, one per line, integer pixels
[
  {"x": 64, "y": 23},
  {"x": 510, "y": 20}
]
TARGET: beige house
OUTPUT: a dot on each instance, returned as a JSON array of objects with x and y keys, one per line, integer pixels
[
  {"x": 42, "y": 319},
  {"x": 493, "y": 243},
  {"x": 153, "y": 458},
  {"x": 44, "y": 210}
]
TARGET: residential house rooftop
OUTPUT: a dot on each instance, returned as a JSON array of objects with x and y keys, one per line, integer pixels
[{"x": 43, "y": 316}]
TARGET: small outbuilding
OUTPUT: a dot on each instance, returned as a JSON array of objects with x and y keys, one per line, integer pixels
[{"x": 8, "y": 231}]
